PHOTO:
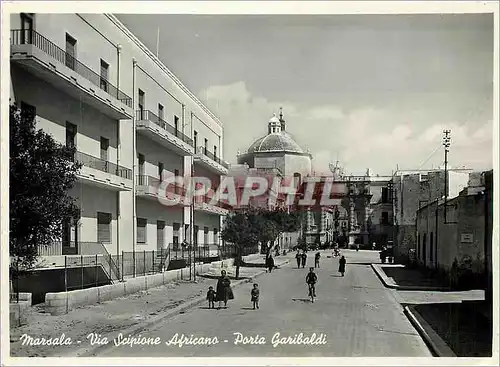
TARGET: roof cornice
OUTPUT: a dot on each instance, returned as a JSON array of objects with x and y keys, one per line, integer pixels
[{"x": 162, "y": 66}]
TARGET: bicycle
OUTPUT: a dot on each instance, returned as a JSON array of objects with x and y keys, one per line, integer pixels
[{"x": 312, "y": 291}]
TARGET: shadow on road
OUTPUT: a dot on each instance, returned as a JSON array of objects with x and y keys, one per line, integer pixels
[
  {"x": 302, "y": 299},
  {"x": 248, "y": 308},
  {"x": 336, "y": 276}
]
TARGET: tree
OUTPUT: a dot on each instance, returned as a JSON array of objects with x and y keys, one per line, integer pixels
[
  {"x": 41, "y": 173},
  {"x": 241, "y": 229}
]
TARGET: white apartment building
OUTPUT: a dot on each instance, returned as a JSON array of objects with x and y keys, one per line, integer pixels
[{"x": 96, "y": 86}]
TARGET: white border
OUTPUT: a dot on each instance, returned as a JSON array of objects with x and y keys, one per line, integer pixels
[{"x": 237, "y": 7}]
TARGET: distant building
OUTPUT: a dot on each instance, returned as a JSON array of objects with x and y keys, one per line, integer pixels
[{"x": 278, "y": 150}]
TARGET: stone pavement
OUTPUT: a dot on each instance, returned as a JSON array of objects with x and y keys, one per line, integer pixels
[
  {"x": 107, "y": 317},
  {"x": 356, "y": 313}
]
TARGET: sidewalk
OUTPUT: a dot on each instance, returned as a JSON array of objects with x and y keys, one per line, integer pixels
[
  {"x": 451, "y": 322},
  {"x": 401, "y": 278},
  {"x": 119, "y": 315}
]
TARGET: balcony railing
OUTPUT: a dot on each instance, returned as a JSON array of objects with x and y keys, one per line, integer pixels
[
  {"x": 146, "y": 115},
  {"x": 21, "y": 37},
  {"x": 212, "y": 156},
  {"x": 102, "y": 165},
  {"x": 150, "y": 181},
  {"x": 207, "y": 199}
]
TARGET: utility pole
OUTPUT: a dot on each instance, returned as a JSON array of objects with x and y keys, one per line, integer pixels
[{"x": 446, "y": 144}]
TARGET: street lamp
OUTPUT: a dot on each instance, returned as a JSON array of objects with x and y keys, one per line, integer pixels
[{"x": 446, "y": 145}]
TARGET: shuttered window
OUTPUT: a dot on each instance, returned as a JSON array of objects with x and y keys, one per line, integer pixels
[
  {"x": 205, "y": 236},
  {"x": 195, "y": 239},
  {"x": 141, "y": 230},
  {"x": 216, "y": 236},
  {"x": 104, "y": 227},
  {"x": 160, "y": 234}
]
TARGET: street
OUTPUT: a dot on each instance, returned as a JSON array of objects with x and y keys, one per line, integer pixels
[{"x": 356, "y": 314}]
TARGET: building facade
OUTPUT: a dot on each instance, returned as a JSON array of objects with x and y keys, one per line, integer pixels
[
  {"x": 95, "y": 86},
  {"x": 412, "y": 191},
  {"x": 457, "y": 233}
]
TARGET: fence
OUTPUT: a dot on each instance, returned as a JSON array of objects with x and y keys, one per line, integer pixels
[
  {"x": 146, "y": 115},
  {"x": 85, "y": 271}
]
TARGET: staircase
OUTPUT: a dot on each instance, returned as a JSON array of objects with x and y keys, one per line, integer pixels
[{"x": 161, "y": 260}]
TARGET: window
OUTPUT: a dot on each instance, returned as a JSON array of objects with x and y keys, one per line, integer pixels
[
  {"x": 160, "y": 170},
  {"x": 104, "y": 75},
  {"x": 176, "y": 187},
  {"x": 160, "y": 234},
  {"x": 431, "y": 247},
  {"x": 385, "y": 218},
  {"x": 104, "y": 227},
  {"x": 70, "y": 52},
  {"x": 160, "y": 112},
  {"x": 141, "y": 230},
  {"x": 176, "y": 237},
  {"x": 205, "y": 235},
  {"x": 215, "y": 151},
  {"x": 195, "y": 139},
  {"x": 104, "y": 148},
  {"x": 385, "y": 195},
  {"x": 206, "y": 146},
  {"x": 176, "y": 124},
  {"x": 424, "y": 249},
  {"x": 216, "y": 236},
  {"x": 26, "y": 28},
  {"x": 141, "y": 105},
  {"x": 141, "y": 164},
  {"x": 195, "y": 239},
  {"x": 70, "y": 135}
]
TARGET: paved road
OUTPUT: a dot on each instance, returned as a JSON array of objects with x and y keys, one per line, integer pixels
[{"x": 357, "y": 315}]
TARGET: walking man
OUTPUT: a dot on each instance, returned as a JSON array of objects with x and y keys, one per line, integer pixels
[{"x": 298, "y": 257}]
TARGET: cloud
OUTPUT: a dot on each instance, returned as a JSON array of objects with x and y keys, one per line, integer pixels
[{"x": 375, "y": 137}]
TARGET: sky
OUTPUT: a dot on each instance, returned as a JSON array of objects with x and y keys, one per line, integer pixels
[{"x": 373, "y": 91}]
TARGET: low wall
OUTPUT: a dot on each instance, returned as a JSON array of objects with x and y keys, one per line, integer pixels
[
  {"x": 18, "y": 313},
  {"x": 61, "y": 302}
]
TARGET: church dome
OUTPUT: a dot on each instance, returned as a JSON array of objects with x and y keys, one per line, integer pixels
[{"x": 273, "y": 142}]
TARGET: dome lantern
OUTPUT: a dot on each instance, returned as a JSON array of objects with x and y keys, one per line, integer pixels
[{"x": 274, "y": 125}]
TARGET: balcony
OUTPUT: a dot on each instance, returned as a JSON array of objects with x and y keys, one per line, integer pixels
[
  {"x": 204, "y": 204},
  {"x": 49, "y": 62},
  {"x": 101, "y": 173},
  {"x": 150, "y": 187},
  {"x": 163, "y": 133},
  {"x": 206, "y": 158}
]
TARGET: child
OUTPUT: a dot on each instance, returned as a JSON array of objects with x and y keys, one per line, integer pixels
[
  {"x": 255, "y": 296},
  {"x": 211, "y": 297}
]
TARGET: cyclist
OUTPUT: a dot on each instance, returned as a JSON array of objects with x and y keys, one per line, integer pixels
[{"x": 311, "y": 280}]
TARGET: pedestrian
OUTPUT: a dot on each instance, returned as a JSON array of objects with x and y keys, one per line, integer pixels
[
  {"x": 255, "y": 293},
  {"x": 211, "y": 295},
  {"x": 304, "y": 259},
  {"x": 298, "y": 257},
  {"x": 316, "y": 259},
  {"x": 270, "y": 263},
  {"x": 342, "y": 265},
  {"x": 224, "y": 291}
]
